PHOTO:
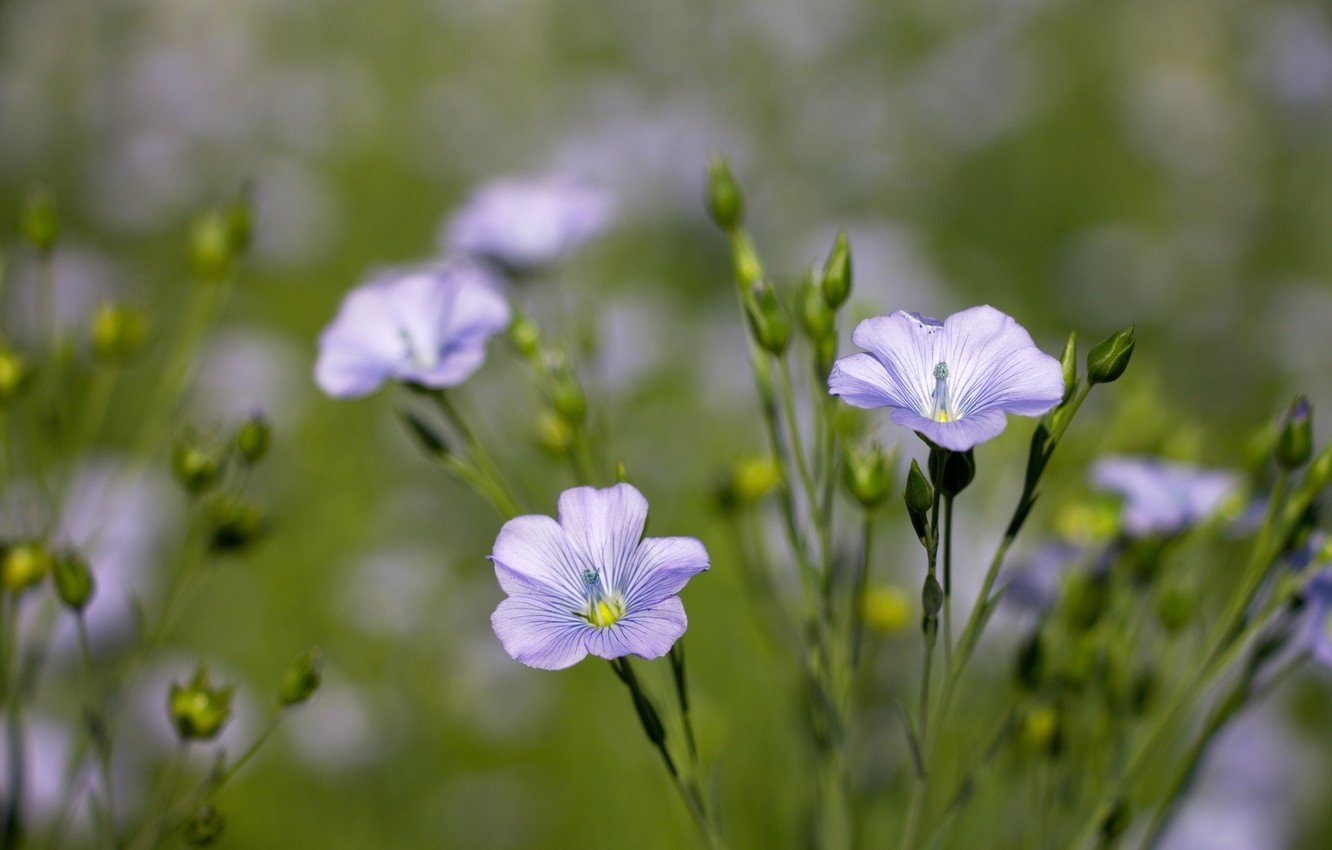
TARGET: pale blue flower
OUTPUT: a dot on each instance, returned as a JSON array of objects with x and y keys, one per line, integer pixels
[
  {"x": 1161, "y": 497},
  {"x": 523, "y": 225},
  {"x": 426, "y": 326},
  {"x": 953, "y": 381},
  {"x": 591, "y": 583}
]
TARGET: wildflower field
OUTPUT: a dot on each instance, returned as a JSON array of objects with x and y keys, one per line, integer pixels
[{"x": 536, "y": 424}]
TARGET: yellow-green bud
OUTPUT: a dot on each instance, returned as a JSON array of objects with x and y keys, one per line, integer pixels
[
  {"x": 73, "y": 579},
  {"x": 1295, "y": 445},
  {"x": 753, "y": 478},
  {"x": 1040, "y": 729},
  {"x": 118, "y": 331},
  {"x": 837, "y": 273},
  {"x": 554, "y": 433},
  {"x": 302, "y": 679},
  {"x": 767, "y": 319},
  {"x": 1069, "y": 360},
  {"x": 24, "y": 565},
  {"x": 253, "y": 439},
  {"x": 14, "y": 375},
  {"x": 197, "y": 466},
  {"x": 205, "y": 826},
  {"x": 725, "y": 201},
  {"x": 748, "y": 267},
  {"x": 38, "y": 221},
  {"x": 816, "y": 317},
  {"x": 213, "y": 245},
  {"x": 566, "y": 393},
  {"x": 867, "y": 475},
  {"x": 525, "y": 336},
  {"x": 931, "y": 597},
  {"x": 198, "y": 709},
  {"x": 1108, "y": 360},
  {"x": 885, "y": 608}
]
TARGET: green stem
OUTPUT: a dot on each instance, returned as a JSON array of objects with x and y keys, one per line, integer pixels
[
  {"x": 857, "y": 615},
  {"x": 98, "y": 730},
  {"x": 481, "y": 459},
  {"x": 948, "y": 587}
]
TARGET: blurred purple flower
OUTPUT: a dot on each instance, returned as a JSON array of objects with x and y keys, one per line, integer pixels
[
  {"x": 426, "y": 326},
  {"x": 523, "y": 225},
  {"x": 1162, "y": 497},
  {"x": 1319, "y": 594},
  {"x": 950, "y": 381},
  {"x": 591, "y": 583},
  {"x": 1034, "y": 585}
]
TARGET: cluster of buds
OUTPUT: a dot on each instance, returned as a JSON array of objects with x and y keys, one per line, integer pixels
[
  {"x": 565, "y": 410},
  {"x": 219, "y": 238},
  {"x": 201, "y": 462}
]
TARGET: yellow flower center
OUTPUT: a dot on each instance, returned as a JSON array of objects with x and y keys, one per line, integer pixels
[{"x": 600, "y": 609}]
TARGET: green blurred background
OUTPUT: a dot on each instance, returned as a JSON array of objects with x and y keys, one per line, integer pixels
[{"x": 1077, "y": 164}]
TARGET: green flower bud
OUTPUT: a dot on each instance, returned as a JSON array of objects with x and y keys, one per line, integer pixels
[
  {"x": 1031, "y": 663},
  {"x": 767, "y": 319},
  {"x": 204, "y": 827},
  {"x": 885, "y": 608},
  {"x": 73, "y": 580},
  {"x": 867, "y": 475},
  {"x": 959, "y": 469},
  {"x": 198, "y": 709},
  {"x": 253, "y": 439},
  {"x": 1295, "y": 445},
  {"x": 554, "y": 433},
  {"x": 24, "y": 565},
  {"x": 748, "y": 268},
  {"x": 566, "y": 393},
  {"x": 919, "y": 497},
  {"x": 234, "y": 525},
  {"x": 817, "y": 320},
  {"x": 725, "y": 201},
  {"x": 197, "y": 466},
  {"x": 1069, "y": 360},
  {"x": 622, "y": 473},
  {"x": 1084, "y": 600},
  {"x": 302, "y": 679},
  {"x": 753, "y": 478},
  {"x": 525, "y": 336},
  {"x": 1040, "y": 729},
  {"x": 118, "y": 332},
  {"x": 931, "y": 597},
  {"x": 837, "y": 273},
  {"x": 210, "y": 246},
  {"x": 15, "y": 375},
  {"x": 1108, "y": 360},
  {"x": 38, "y": 221}
]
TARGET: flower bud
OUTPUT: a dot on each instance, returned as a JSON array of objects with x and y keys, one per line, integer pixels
[
  {"x": 198, "y": 709},
  {"x": 554, "y": 433},
  {"x": 118, "y": 332},
  {"x": 725, "y": 201},
  {"x": 837, "y": 273},
  {"x": 197, "y": 466},
  {"x": 622, "y": 473},
  {"x": 867, "y": 475},
  {"x": 885, "y": 608},
  {"x": 38, "y": 221},
  {"x": 234, "y": 525},
  {"x": 1031, "y": 663},
  {"x": 73, "y": 580},
  {"x": 1040, "y": 729},
  {"x": 767, "y": 319},
  {"x": 753, "y": 478},
  {"x": 1295, "y": 445},
  {"x": 253, "y": 439},
  {"x": 931, "y": 596},
  {"x": 1084, "y": 600},
  {"x": 919, "y": 497},
  {"x": 816, "y": 318},
  {"x": 302, "y": 679},
  {"x": 1108, "y": 360},
  {"x": 1069, "y": 360},
  {"x": 211, "y": 246},
  {"x": 525, "y": 336},
  {"x": 748, "y": 268},
  {"x": 566, "y": 393},
  {"x": 205, "y": 826},
  {"x": 24, "y": 565},
  {"x": 959, "y": 469},
  {"x": 14, "y": 375}
]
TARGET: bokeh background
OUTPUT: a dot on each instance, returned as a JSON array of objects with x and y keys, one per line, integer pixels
[{"x": 1077, "y": 164}]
